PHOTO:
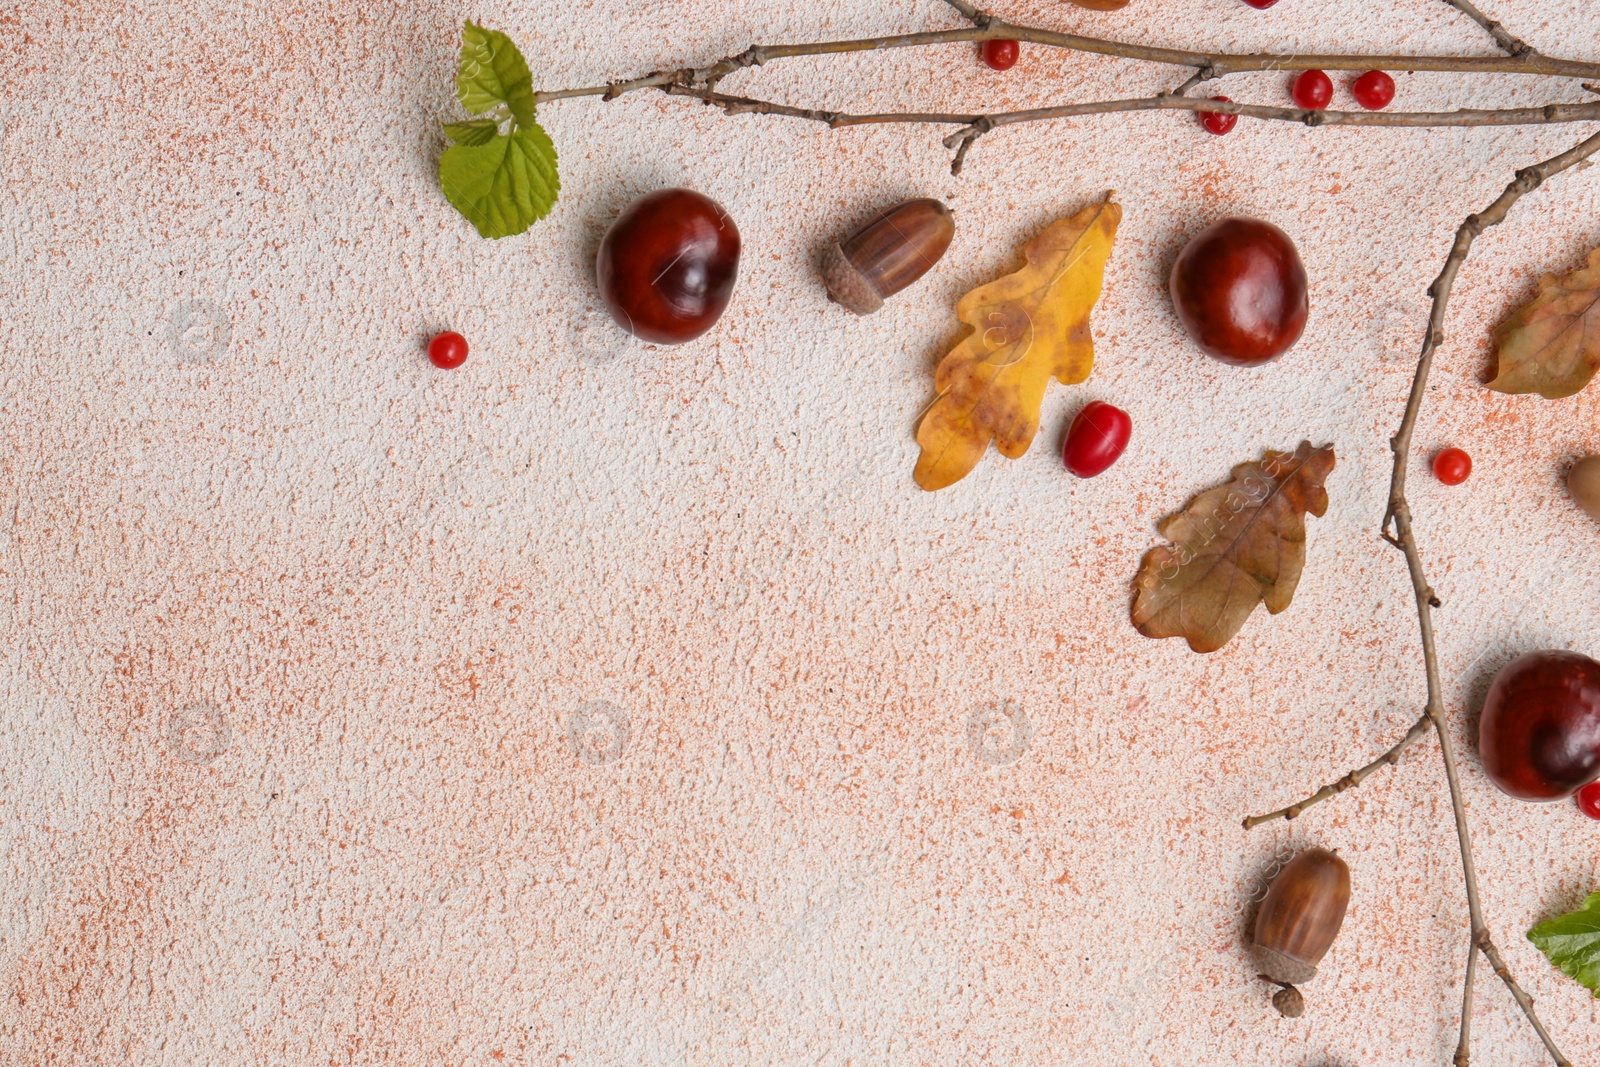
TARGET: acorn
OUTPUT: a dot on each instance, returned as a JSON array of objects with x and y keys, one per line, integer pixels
[
  {"x": 1299, "y": 919},
  {"x": 887, "y": 254}
]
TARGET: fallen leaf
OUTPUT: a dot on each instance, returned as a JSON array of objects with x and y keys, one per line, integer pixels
[
  {"x": 1235, "y": 546},
  {"x": 1551, "y": 346},
  {"x": 1572, "y": 942},
  {"x": 1025, "y": 328}
]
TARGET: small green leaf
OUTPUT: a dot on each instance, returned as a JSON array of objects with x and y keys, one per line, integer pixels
[
  {"x": 504, "y": 185},
  {"x": 492, "y": 73},
  {"x": 472, "y": 132},
  {"x": 502, "y": 182},
  {"x": 1572, "y": 942}
]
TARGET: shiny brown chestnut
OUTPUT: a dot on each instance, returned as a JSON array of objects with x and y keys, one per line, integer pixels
[
  {"x": 890, "y": 252},
  {"x": 1299, "y": 919},
  {"x": 1240, "y": 291},
  {"x": 666, "y": 267},
  {"x": 1539, "y": 737}
]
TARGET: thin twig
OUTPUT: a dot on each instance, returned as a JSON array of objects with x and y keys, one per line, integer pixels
[
  {"x": 968, "y": 12},
  {"x": 1516, "y": 116},
  {"x": 1525, "y": 1002},
  {"x": 1349, "y": 781},
  {"x": 976, "y": 125},
  {"x": 1216, "y": 64},
  {"x": 1510, "y": 45},
  {"x": 1398, "y": 515}
]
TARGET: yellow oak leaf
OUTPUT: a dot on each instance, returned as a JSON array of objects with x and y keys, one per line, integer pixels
[
  {"x": 1025, "y": 329},
  {"x": 1551, "y": 346}
]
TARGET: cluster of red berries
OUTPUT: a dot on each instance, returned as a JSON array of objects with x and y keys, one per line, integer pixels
[{"x": 1312, "y": 90}]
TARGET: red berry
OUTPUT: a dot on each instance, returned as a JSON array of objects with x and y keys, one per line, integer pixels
[
  {"x": 1216, "y": 121},
  {"x": 448, "y": 350},
  {"x": 1000, "y": 55},
  {"x": 1589, "y": 800},
  {"x": 1097, "y": 437},
  {"x": 1373, "y": 90},
  {"x": 1312, "y": 90},
  {"x": 1452, "y": 466},
  {"x": 1261, "y": 5}
]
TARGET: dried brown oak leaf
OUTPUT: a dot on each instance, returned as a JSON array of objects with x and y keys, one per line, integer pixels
[
  {"x": 1551, "y": 346},
  {"x": 1024, "y": 329},
  {"x": 1234, "y": 546}
]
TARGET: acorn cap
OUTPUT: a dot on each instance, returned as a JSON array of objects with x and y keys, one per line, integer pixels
[
  {"x": 1280, "y": 968},
  {"x": 847, "y": 286}
]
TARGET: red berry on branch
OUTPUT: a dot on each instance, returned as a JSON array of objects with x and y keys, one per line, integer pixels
[
  {"x": 447, "y": 350},
  {"x": 1312, "y": 90},
  {"x": 1373, "y": 90},
  {"x": 1000, "y": 55},
  {"x": 1452, "y": 466},
  {"x": 1589, "y": 800},
  {"x": 1218, "y": 122},
  {"x": 1096, "y": 439}
]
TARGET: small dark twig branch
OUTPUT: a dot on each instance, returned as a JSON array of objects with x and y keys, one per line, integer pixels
[
  {"x": 1214, "y": 64},
  {"x": 968, "y": 12},
  {"x": 1349, "y": 781},
  {"x": 1510, "y": 45},
  {"x": 976, "y": 125},
  {"x": 1398, "y": 519}
]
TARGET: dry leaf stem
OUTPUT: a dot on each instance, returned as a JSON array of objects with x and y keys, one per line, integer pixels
[{"x": 701, "y": 82}]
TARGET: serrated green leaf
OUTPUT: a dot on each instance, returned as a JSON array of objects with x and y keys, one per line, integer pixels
[
  {"x": 1572, "y": 942},
  {"x": 505, "y": 185},
  {"x": 472, "y": 132},
  {"x": 493, "y": 73}
]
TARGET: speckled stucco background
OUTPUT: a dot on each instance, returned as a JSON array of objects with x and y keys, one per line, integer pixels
[{"x": 606, "y": 704}]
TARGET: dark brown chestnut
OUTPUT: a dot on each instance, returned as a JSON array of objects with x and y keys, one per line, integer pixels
[
  {"x": 1240, "y": 291},
  {"x": 666, "y": 267},
  {"x": 1540, "y": 732},
  {"x": 1299, "y": 919},
  {"x": 890, "y": 252}
]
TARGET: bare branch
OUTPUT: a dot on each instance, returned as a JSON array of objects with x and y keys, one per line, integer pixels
[
  {"x": 1214, "y": 64},
  {"x": 968, "y": 12},
  {"x": 1349, "y": 781},
  {"x": 1502, "y": 37},
  {"x": 1486, "y": 943},
  {"x": 1399, "y": 516},
  {"x": 1520, "y": 116}
]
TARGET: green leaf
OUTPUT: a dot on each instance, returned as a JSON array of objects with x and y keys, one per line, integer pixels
[
  {"x": 1572, "y": 942},
  {"x": 505, "y": 185},
  {"x": 493, "y": 73},
  {"x": 472, "y": 132},
  {"x": 502, "y": 182}
]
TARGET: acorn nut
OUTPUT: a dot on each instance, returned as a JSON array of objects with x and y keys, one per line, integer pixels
[
  {"x": 887, "y": 254},
  {"x": 1299, "y": 919},
  {"x": 1583, "y": 482}
]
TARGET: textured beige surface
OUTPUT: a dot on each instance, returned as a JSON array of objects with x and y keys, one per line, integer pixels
[{"x": 299, "y": 633}]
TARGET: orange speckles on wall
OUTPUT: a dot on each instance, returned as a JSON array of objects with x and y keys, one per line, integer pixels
[{"x": 601, "y": 703}]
